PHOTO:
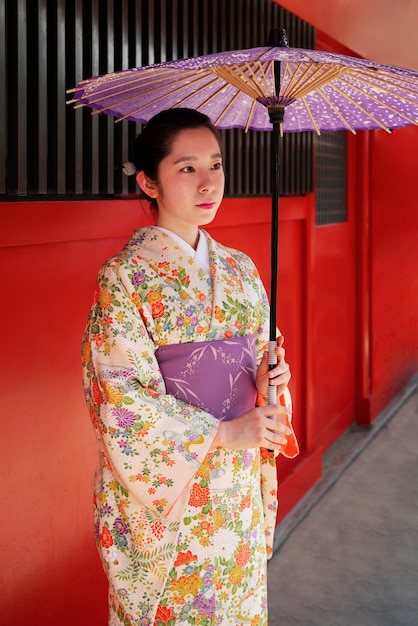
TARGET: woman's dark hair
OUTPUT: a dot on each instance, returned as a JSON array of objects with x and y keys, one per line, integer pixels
[{"x": 156, "y": 139}]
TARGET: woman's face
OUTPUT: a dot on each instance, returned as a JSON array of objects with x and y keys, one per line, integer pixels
[{"x": 190, "y": 183}]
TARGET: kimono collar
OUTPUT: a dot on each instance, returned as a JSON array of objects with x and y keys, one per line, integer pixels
[{"x": 200, "y": 255}]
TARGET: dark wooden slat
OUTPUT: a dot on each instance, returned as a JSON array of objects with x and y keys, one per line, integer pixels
[
  {"x": 139, "y": 10},
  {"x": 151, "y": 23},
  {"x": 78, "y": 134},
  {"x": 60, "y": 102},
  {"x": 109, "y": 185},
  {"x": 21, "y": 104},
  {"x": 94, "y": 119},
  {"x": 125, "y": 64},
  {"x": 42, "y": 98},
  {"x": 3, "y": 127}
]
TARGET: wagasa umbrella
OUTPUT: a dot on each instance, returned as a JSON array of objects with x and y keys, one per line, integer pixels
[{"x": 274, "y": 88}]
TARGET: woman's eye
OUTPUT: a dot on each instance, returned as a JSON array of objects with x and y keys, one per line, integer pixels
[
  {"x": 217, "y": 166},
  {"x": 188, "y": 169}
]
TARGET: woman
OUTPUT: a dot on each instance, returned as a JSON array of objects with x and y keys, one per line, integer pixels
[{"x": 174, "y": 359}]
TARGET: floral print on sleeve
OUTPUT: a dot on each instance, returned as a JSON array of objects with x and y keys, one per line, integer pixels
[{"x": 127, "y": 401}]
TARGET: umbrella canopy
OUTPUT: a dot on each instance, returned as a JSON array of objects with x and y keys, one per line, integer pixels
[
  {"x": 318, "y": 90},
  {"x": 274, "y": 88}
]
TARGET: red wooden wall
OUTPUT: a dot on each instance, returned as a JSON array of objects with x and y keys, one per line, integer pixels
[
  {"x": 49, "y": 256},
  {"x": 393, "y": 264}
]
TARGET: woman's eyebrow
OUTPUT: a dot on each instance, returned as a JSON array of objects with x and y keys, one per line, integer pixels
[{"x": 181, "y": 159}]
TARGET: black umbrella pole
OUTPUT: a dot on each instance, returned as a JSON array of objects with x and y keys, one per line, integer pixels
[{"x": 276, "y": 115}]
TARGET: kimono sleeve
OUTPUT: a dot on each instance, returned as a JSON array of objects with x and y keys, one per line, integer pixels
[{"x": 152, "y": 443}]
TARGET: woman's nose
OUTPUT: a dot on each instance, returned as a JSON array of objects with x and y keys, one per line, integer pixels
[{"x": 207, "y": 184}]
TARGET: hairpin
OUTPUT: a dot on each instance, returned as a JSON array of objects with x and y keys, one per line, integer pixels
[{"x": 128, "y": 168}]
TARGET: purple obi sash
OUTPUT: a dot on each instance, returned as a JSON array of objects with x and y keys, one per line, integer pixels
[{"x": 216, "y": 376}]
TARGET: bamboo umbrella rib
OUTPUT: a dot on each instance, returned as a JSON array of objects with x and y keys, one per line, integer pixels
[
  {"x": 247, "y": 74},
  {"x": 308, "y": 108},
  {"x": 107, "y": 82},
  {"x": 142, "y": 84},
  {"x": 316, "y": 80},
  {"x": 285, "y": 81},
  {"x": 407, "y": 87},
  {"x": 209, "y": 98},
  {"x": 336, "y": 111},
  {"x": 149, "y": 102},
  {"x": 105, "y": 79},
  {"x": 360, "y": 107},
  {"x": 226, "y": 109},
  {"x": 260, "y": 77},
  {"x": 137, "y": 82},
  {"x": 284, "y": 77},
  {"x": 299, "y": 74},
  {"x": 239, "y": 81},
  {"x": 385, "y": 76},
  {"x": 158, "y": 98},
  {"x": 268, "y": 68},
  {"x": 250, "y": 115},
  {"x": 319, "y": 79},
  {"x": 140, "y": 80},
  {"x": 389, "y": 92},
  {"x": 162, "y": 97},
  {"x": 383, "y": 104}
]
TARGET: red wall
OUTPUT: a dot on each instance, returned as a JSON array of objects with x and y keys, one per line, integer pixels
[
  {"x": 394, "y": 264},
  {"x": 49, "y": 256}
]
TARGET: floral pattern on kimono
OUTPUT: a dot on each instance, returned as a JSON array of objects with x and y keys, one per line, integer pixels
[{"x": 183, "y": 533}]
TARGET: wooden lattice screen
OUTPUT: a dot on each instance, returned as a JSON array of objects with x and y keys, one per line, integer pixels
[{"x": 48, "y": 149}]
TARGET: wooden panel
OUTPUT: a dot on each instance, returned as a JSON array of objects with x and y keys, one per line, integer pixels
[
  {"x": 54, "y": 150},
  {"x": 331, "y": 177}
]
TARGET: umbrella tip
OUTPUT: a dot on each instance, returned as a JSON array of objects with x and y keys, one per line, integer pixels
[{"x": 278, "y": 38}]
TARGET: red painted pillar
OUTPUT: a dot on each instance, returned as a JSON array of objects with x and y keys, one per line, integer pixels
[{"x": 359, "y": 175}]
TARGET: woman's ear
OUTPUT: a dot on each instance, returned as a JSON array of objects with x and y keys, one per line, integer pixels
[{"x": 148, "y": 186}]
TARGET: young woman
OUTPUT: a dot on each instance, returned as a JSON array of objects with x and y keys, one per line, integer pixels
[{"x": 175, "y": 364}]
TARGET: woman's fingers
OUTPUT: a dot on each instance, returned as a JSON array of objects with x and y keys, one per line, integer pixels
[
  {"x": 260, "y": 427},
  {"x": 280, "y": 376},
  {"x": 272, "y": 410},
  {"x": 276, "y": 425}
]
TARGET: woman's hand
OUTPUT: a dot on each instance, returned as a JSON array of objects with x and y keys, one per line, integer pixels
[
  {"x": 278, "y": 376},
  {"x": 254, "y": 429}
]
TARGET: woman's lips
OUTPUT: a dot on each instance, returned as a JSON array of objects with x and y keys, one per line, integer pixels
[{"x": 206, "y": 205}]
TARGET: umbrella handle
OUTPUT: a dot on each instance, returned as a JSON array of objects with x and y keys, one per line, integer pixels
[{"x": 272, "y": 362}]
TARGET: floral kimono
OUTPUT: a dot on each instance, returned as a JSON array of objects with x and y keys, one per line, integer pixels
[{"x": 183, "y": 533}]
